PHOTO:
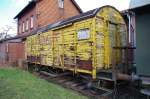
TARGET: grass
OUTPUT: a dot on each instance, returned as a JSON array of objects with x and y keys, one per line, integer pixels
[{"x": 18, "y": 84}]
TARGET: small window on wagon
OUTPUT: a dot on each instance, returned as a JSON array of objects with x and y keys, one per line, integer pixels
[{"x": 83, "y": 34}]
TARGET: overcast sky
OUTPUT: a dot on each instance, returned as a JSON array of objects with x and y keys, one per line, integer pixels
[{"x": 9, "y": 8}]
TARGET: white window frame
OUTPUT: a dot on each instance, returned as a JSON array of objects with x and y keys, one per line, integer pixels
[
  {"x": 61, "y": 3},
  {"x": 19, "y": 28},
  {"x": 32, "y": 22},
  {"x": 23, "y": 27},
  {"x": 83, "y": 34},
  {"x": 27, "y": 25}
]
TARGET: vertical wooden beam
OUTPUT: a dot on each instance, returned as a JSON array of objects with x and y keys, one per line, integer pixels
[
  {"x": 94, "y": 47},
  {"x": 75, "y": 42}
]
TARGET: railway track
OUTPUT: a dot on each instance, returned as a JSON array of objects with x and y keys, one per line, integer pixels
[{"x": 67, "y": 80}]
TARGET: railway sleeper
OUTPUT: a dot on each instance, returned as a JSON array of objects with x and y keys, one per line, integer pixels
[{"x": 81, "y": 83}]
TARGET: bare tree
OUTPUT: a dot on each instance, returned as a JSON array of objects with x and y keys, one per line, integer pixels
[{"x": 4, "y": 33}]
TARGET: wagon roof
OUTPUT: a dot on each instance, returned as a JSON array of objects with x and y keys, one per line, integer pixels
[
  {"x": 83, "y": 16},
  {"x": 73, "y": 19}
]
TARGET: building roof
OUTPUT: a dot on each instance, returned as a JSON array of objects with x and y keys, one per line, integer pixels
[
  {"x": 139, "y": 7},
  {"x": 138, "y": 3},
  {"x": 77, "y": 6},
  {"x": 32, "y": 4},
  {"x": 13, "y": 38}
]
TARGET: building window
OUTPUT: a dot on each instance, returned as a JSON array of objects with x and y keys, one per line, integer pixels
[
  {"x": 61, "y": 3},
  {"x": 32, "y": 22},
  {"x": 27, "y": 25},
  {"x": 19, "y": 28},
  {"x": 83, "y": 34},
  {"x": 23, "y": 27}
]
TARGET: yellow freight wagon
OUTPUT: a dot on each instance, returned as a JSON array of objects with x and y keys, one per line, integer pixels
[{"x": 88, "y": 43}]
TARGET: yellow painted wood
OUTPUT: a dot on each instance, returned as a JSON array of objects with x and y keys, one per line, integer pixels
[
  {"x": 84, "y": 71},
  {"x": 62, "y": 47}
]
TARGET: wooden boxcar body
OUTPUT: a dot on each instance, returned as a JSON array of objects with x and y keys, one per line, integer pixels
[{"x": 81, "y": 44}]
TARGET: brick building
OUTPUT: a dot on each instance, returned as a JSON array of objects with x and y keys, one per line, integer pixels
[
  {"x": 40, "y": 13},
  {"x": 37, "y": 14},
  {"x": 11, "y": 51}
]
